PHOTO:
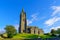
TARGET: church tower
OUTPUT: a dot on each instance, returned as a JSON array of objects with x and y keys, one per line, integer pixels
[{"x": 23, "y": 22}]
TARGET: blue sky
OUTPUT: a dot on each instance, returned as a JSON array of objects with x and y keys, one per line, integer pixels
[{"x": 44, "y": 14}]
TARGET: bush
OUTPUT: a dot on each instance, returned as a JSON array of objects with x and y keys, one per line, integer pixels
[{"x": 10, "y": 30}]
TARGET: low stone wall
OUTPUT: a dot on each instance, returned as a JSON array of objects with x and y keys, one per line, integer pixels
[
  {"x": 52, "y": 39},
  {"x": 11, "y": 39},
  {"x": 34, "y": 39}
]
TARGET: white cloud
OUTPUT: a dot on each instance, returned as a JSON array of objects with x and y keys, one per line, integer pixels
[
  {"x": 2, "y": 30},
  {"x": 29, "y": 22},
  {"x": 52, "y": 21},
  {"x": 56, "y": 10},
  {"x": 54, "y": 16},
  {"x": 55, "y": 27},
  {"x": 16, "y": 26},
  {"x": 34, "y": 17}
]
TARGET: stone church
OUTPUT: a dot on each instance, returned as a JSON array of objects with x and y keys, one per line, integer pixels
[{"x": 23, "y": 28}]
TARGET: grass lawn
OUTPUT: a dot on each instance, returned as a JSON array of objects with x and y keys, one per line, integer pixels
[
  {"x": 1, "y": 38},
  {"x": 25, "y": 35},
  {"x": 46, "y": 36}
]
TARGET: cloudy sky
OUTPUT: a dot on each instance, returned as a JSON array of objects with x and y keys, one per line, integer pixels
[{"x": 45, "y": 14}]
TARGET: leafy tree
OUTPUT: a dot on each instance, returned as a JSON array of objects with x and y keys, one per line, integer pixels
[
  {"x": 53, "y": 32},
  {"x": 58, "y": 30},
  {"x": 10, "y": 30}
]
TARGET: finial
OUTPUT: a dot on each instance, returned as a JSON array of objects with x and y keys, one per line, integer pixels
[{"x": 22, "y": 10}]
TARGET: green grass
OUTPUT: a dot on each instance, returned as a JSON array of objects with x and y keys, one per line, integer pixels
[
  {"x": 25, "y": 35},
  {"x": 1, "y": 38},
  {"x": 28, "y": 36},
  {"x": 46, "y": 36}
]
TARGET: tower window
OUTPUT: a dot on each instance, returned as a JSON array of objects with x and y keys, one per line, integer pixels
[{"x": 23, "y": 19}]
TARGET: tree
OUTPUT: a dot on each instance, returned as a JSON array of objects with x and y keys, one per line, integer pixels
[
  {"x": 58, "y": 30},
  {"x": 53, "y": 32},
  {"x": 10, "y": 30}
]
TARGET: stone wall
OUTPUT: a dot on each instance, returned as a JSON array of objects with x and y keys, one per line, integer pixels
[
  {"x": 32, "y": 30},
  {"x": 36, "y": 30},
  {"x": 40, "y": 31}
]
